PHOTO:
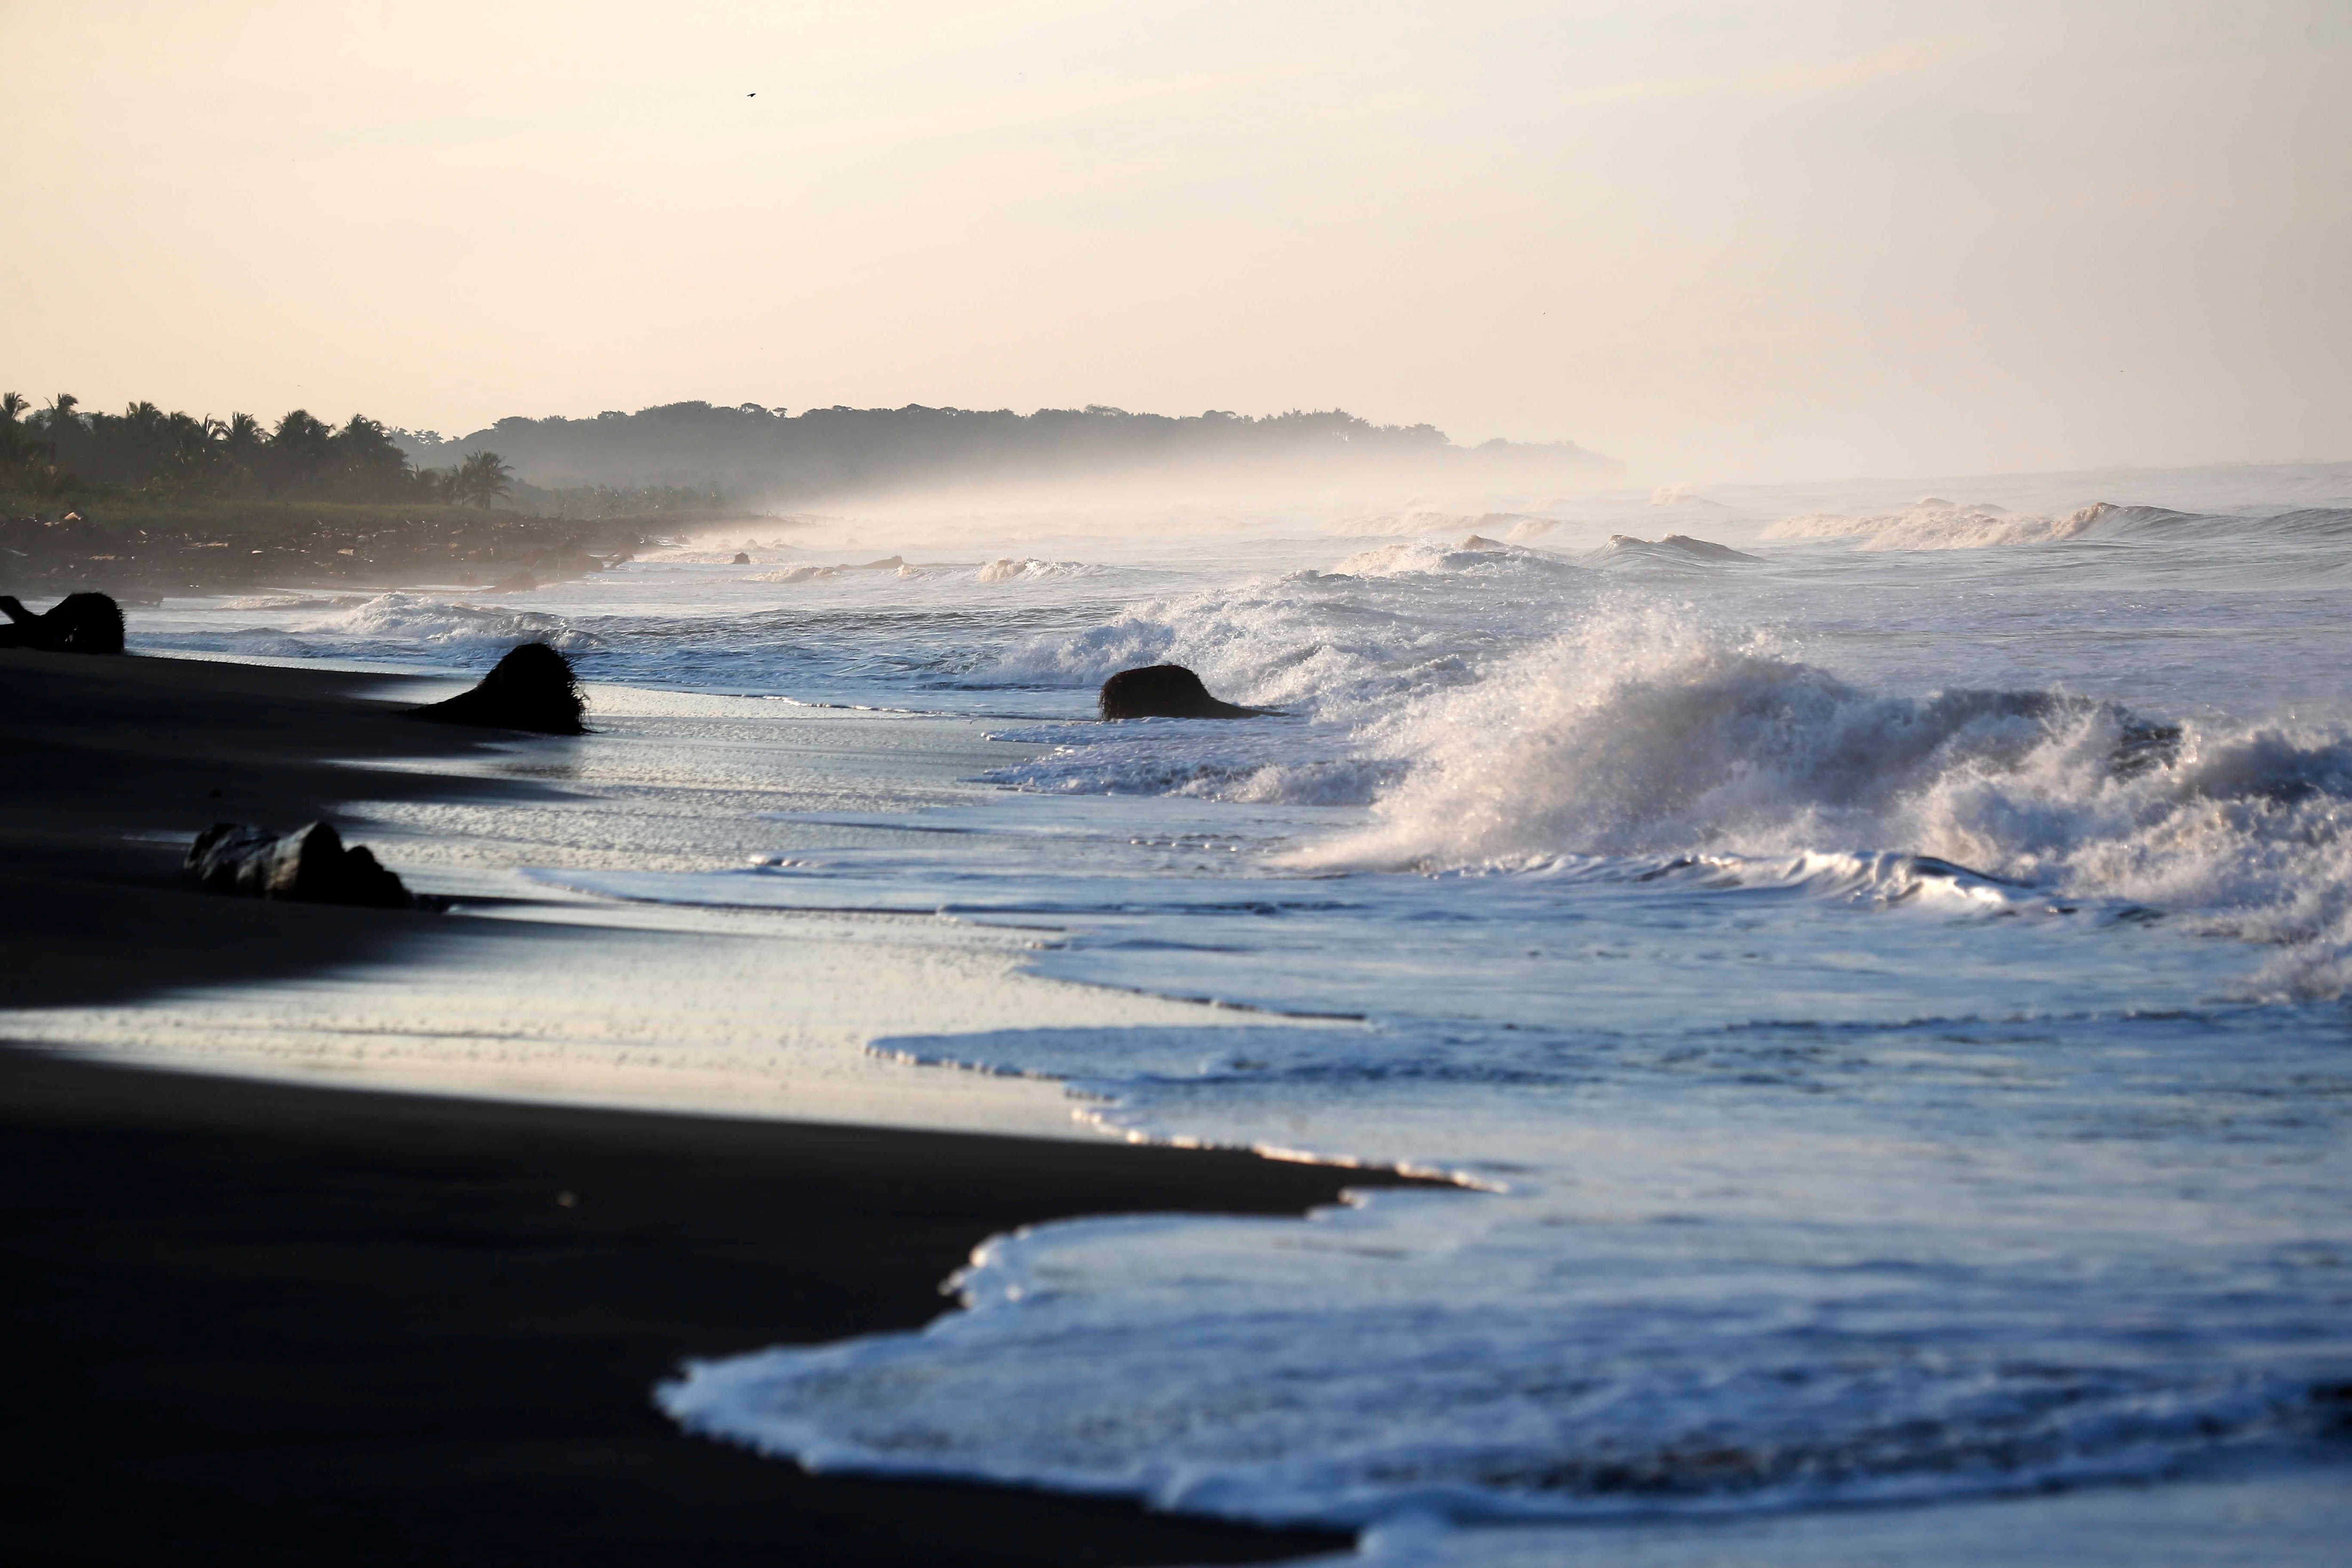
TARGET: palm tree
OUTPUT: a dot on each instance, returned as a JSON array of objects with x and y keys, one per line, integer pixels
[
  {"x": 482, "y": 478},
  {"x": 58, "y": 421},
  {"x": 12, "y": 404}
]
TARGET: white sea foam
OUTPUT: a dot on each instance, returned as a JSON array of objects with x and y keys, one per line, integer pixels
[
  {"x": 1938, "y": 524},
  {"x": 796, "y": 574},
  {"x": 1028, "y": 568},
  {"x": 1934, "y": 524},
  {"x": 1476, "y": 554},
  {"x": 1663, "y": 1314},
  {"x": 419, "y": 620},
  {"x": 1649, "y": 731}
]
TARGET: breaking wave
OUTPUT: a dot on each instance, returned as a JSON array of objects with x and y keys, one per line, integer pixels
[
  {"x": 1030, "y": 570},
  {"x": 382, "y": 626},
  {"x": 1306, "y": 642},
  {"x": 1642, "y": 734},
  {"x": 1421, "y": 557},
  {"x": 1938, "y": 524},
  {"x": 419, "y": 620}
]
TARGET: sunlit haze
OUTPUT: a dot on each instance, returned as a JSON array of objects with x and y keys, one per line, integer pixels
[{"x": 1716, "y": 240}]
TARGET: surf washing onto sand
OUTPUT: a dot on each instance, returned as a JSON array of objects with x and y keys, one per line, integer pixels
[{"x": 1875, "y": 967}]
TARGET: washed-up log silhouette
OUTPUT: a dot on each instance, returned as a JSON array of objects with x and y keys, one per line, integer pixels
[
  {"x": 310, "y": 865},
  {"x": 78, "y": 623},
  {"x": 532, "y": 688},
  {"x": 1165, "y": 691}
]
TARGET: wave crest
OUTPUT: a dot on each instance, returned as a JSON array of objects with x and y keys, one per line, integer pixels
[
  {"x": 1645, "y": 735},
  {"x": 415, "y": 619},
  {"x": 1938, "y": 524}
]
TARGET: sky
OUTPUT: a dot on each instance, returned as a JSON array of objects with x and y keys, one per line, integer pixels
[{"x": 1715, "y": 240}]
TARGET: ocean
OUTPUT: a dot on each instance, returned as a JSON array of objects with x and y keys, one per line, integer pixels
[{"x": 1872, "y": 962}]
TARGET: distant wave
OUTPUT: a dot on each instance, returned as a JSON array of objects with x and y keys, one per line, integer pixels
[
  {"x": 1027, "y": 569},
  {"x": 1509, "y": 524},
  {"x": 384, "y": 626},
  {"x": 1674, "y": 552},
  {"x": 1936, "y": 524},
  {"x": 418, "y": 618},
  {"x": 1477, "y": 554}
]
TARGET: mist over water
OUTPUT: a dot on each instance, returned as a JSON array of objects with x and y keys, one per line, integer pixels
[{"x": 1884, "y": 980}]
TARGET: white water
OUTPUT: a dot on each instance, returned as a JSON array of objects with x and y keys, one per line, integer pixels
[{"x": 1888, "y": 992}]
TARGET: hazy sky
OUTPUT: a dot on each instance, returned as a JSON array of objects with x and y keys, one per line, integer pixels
[{"x": 1716, "y": 239}]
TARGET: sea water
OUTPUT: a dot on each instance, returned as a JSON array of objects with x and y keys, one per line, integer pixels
[{"x": 1880, "y": 992}]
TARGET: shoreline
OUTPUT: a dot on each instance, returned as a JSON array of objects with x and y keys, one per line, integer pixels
[{"x": 405, "y": 1327}]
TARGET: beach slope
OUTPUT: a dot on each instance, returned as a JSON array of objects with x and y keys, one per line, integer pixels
[{"x": 251, "y": 1319}]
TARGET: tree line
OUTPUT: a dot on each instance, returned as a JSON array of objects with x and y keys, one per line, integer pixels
[
  {"x": 58, "y": 449},
  {"x": 753, "y": 450}
]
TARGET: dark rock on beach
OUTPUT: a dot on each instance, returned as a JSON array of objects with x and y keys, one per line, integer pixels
[
  {"x": 532, "y": 688},
  {"x": 310, "y": 865},
  {"x": 78, "y": 623},
  {"x": 741, "y": 560},
  {"x": 1165, "y": 691}
]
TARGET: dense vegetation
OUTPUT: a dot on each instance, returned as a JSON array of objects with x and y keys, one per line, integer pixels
[
  {"x": 789, "y": 458},
  {"x": 144, "y": 504},
  {"x": 60, "y": 450}
]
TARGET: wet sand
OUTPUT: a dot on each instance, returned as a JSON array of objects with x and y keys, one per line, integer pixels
[{"x": 250, "y": 1318}]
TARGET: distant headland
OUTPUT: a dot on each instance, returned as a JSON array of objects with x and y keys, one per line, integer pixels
[
  {"x": 780, "y": 457},
  {"x": 145, "y": 502}
]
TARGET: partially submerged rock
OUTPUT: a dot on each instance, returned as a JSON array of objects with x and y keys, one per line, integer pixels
[
  {"x": 310, "y": 865},
  {"x": 78, "y": 623},
  {"x": 532, "y": 688},
  {"x": 1165, "y": 691},
  {"x": 741, "y": 560}
]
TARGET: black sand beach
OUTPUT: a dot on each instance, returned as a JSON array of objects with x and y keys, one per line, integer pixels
[{"x": 251, "y": 1321}]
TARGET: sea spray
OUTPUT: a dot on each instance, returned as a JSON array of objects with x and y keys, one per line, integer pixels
[{"x": 1652, "y": 731}]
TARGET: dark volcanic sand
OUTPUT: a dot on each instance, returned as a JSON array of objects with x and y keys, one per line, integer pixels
[{"x": 251, "y": 1321}]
